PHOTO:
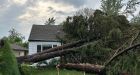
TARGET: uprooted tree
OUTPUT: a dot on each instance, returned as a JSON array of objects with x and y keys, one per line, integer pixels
[{"x": 111, "y": 44}]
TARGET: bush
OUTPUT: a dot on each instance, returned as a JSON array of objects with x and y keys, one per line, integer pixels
[{"x": 25, "y": 69}]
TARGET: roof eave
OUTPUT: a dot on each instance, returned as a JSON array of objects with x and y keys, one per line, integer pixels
[{"x": 44, "y": 40}]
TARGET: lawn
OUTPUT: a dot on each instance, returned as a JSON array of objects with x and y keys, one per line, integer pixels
[{"x": 53, "y": 71}]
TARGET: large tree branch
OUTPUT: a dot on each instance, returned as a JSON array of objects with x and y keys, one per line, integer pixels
[
  {"x": 120, "y": 53},
  {"x": 121, "y": 47},
  {"x": 134, "y": 38}
]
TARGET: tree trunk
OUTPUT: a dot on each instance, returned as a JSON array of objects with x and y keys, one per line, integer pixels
[
  {"x": 65, "y": 46},
  {"x": 1, "y": 43},
  {"x": 45, "y": 56},
  {"x": 89, "y": 68}
]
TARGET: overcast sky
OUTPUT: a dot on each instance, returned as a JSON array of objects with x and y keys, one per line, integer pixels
[{"x": 22, "y": 14}]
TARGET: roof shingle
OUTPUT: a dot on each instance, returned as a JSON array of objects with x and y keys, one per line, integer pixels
[
  {"x": 45, "y": 33},
  {"x": 17, "y": 47}
]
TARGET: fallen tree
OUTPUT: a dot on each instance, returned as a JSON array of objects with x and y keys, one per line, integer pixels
[
  {"x": 45, "y": 56},
  {"x": 89, "y": 68},
  {"x": 97, "y": 69},
  {"x": 63, "y": 47}
]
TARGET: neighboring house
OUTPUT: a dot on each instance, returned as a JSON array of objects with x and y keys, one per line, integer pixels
[
  {"x": 19, "y": 50},
  {"x": 43, "y": 37}
]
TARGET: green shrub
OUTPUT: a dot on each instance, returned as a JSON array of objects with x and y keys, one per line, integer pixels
[{"x": 25, "y": 69}]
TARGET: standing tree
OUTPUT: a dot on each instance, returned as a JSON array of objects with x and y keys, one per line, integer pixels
[
  {"x": 114, "y": 7},
  {"x": 15, "y": 37},
  {"x": 111, "y": 7},
  {"x": 86, "y": 12},
  {"x": 50, "y": 21},
  {"x": 8, "y": 63}
]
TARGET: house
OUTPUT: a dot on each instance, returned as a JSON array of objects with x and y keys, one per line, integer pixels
[
  {"x": 19, "y": 50},
  {"x": 43, "y": 37}
]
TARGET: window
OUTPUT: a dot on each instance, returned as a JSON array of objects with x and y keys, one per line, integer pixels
[
  {"x": 54, "y": 45},
  {"x": 19, "y": 53},
  {"x": 45, "y": 47},
  {"x": 38, "y": 48}
]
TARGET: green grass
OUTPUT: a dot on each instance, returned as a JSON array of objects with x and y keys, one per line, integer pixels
[{"x": 53, "y": 71}]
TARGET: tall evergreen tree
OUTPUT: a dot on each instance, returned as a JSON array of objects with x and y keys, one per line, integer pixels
[{"x": 8, "y": 63}]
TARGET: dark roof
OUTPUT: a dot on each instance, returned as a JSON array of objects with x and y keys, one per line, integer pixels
[
  {"x": 45, "y": 33},
  {"x": 17, "y": 47}
]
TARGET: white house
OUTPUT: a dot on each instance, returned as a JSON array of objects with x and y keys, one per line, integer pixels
[
  {"x": 43, "y": 37},
  {"x": 19, "y": 50}
]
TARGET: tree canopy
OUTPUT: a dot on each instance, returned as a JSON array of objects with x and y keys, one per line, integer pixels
[{"x": 110, "y": 34}]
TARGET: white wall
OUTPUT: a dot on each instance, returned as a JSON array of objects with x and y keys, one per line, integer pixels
[
  {"x": 33, "y": 46},
  {"x": 19, "y": 53}
]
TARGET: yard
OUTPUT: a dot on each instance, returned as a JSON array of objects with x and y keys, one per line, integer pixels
[{"x": 53, "y": 71}]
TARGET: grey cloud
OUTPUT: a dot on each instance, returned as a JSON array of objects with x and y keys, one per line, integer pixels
[
  {"x": 3, "y": 2},
  {"x": 8, "y": 18},
  {"x": 76, "y": 3},
  {"x": 51, "y": 9},
  {"x": 63, "y": 13}
]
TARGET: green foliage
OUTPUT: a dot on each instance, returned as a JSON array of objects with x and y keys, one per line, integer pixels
[
  {"x": 95, "y": 27},
  {"x": 109, "y": 32},
  {"x": 129, "y": 63},
  {"x": 115, "y": 7},
  {"x": 8, "y": 63},
  {"x": 115, "y": 34},
  {"x": 26, "y": 69},
  {"x": 95, "y": 51},
  {"x": 15, "y": 37},
  {"x": 111, "y": 7},
  {"x": 76, "y": 27}
]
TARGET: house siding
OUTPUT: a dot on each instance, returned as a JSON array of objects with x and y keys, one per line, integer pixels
[
  {"x": 33, "y": 46},
  {"x": 19, "y": 53}
]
